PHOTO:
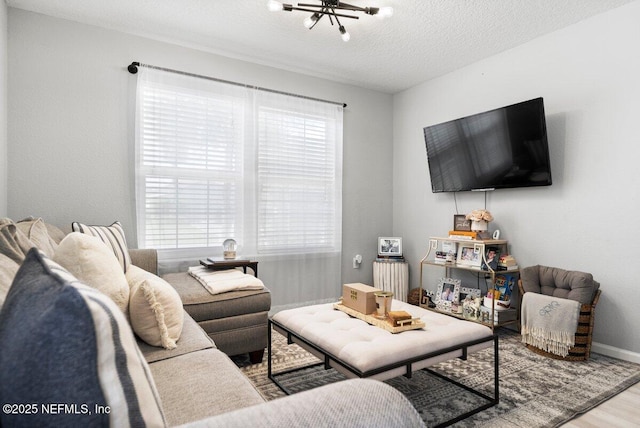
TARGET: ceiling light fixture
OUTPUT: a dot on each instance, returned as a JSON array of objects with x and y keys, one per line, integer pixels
[{"x": 331, "y": 8}]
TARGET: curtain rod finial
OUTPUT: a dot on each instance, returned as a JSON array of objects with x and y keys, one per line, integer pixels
[{"x": 133, "y": 67}]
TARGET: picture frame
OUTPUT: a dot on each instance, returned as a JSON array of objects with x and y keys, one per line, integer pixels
[
  {"x": 448, "y": 290},
  {"x": 469, "y": 255},
  {"x": 460, "y": 222},
  {"x": 466, "y": 291},
  {"x": 389, "y": 247},
  {"x": 443, "y": 306},
  {"x": 491, "y": 257}
]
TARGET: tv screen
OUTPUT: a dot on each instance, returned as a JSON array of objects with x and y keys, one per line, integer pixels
[{"x": 502, "y": 148}]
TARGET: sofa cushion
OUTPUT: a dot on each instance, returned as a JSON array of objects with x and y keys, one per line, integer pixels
[
  {"x": 65, "y": 342},
  {"x": 193, "y": 338},
  {"x": 155, "y": 308},
  {"x": 36, "y": 230},
  {"x": 201, "y": 384},
  {"x": 203, "y": 306},
  {"x": 94, "y": 264},
  {"x": 112, "y": 236},
  {"x": 8, "y": 269}
]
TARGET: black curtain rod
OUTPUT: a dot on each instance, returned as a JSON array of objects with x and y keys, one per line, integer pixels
[{"x": 133, "y": 69}]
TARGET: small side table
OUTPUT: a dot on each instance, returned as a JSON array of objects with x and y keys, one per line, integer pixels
[{"x": 223, "y": 264}]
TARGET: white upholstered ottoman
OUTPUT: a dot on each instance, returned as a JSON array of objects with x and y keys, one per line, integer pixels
[{"x": 358, "y": 349}]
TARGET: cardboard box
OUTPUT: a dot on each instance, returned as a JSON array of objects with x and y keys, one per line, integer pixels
[{"x": 359, "y": 297}]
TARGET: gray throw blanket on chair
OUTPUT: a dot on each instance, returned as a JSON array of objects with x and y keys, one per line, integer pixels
[{"x": 549, "y": 323}]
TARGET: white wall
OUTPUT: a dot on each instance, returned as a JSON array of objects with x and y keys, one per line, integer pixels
[
  {"x": 588, "y": 76},
  {"x": 71, "y": 129},
  {"x": 3, "y": 109}
]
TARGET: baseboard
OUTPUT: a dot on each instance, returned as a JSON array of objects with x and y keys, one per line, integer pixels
[{"x": 610, "y": 351}]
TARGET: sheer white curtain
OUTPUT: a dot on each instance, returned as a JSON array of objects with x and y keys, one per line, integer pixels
[{"x": 216, "y": 160}]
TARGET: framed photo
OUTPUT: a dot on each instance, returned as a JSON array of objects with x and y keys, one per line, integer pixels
[
  {"x": 444, "y": 306},
  {"x": 469, "y": 255},
  {"x": 460, "y": 222},
  {"x": 389, "y": 247},
  {"x": 450, "y": 247},
  {"x": 491, "y": 257},
  {"x": 465, "y": 291},
  {"x": 448, "y": 290}
]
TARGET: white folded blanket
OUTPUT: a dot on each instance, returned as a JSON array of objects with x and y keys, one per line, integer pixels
[
  {"x": 221, "y": 281},
  {"x": 549, "y": 323}
]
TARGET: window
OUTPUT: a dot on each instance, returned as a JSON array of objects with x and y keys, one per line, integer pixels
[{"x": 217, "y": 161}]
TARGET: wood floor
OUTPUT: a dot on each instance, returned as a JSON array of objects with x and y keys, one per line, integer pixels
[{"x": 621, "y": 411}]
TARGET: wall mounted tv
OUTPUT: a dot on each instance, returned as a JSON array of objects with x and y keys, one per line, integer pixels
[{"x": 502, "y": 148}]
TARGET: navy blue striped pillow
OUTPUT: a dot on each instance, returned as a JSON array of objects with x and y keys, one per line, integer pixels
[{"x": 66, "y": 343}]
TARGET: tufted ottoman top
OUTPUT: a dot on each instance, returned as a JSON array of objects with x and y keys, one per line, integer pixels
[{"x": 367, "y": 347}]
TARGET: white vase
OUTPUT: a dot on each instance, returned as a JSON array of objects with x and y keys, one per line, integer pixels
[{"x": 479, "y": 225}]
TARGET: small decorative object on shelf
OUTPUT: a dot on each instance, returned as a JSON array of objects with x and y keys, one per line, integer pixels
[
  {"x": 229, "y": 248},
  {"x": 479, "y": 220},
  {"x": 460, "y": 223},
  {"x": 504, "y": 284},
  {"x": 471, "y": 308}
]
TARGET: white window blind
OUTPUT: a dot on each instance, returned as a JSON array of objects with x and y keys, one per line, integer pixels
[{"x": 217, "y": 161}]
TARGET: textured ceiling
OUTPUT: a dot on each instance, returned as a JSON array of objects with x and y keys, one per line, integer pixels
[{"x": 422, "y": 40}]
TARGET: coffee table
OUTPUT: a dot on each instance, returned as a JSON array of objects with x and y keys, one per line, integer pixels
[{"x": 357, "y": 349}]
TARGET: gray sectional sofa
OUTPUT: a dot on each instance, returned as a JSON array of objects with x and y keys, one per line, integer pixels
[{"x": 95, "y": 360}]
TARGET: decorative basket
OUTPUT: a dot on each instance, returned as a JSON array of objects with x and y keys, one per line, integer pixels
[{"x": 582, "y": 348}]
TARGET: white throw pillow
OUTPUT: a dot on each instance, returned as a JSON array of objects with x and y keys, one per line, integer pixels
[
  {"x": 94, "y": 264},
  {"x": 155, "y": 308}
]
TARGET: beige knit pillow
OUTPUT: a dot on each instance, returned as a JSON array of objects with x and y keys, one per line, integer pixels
[
  {"x": 155, "y": 308},
  {"x": 36, "y": 231},
  {"x": 94, "y": 264},
  {"x": 8, "y": 269}
]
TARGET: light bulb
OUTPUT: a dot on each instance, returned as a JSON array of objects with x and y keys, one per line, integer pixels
[
  {"x": 274, "y": 6},
  {"x": 385, "y": 12},
  {"x": 344, "y": 34},
  {"x": 311, "y": 20}
]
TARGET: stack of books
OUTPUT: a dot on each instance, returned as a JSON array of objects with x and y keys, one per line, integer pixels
[
  {"x": 507, "y": 262},
  {"x": 462, "y": 234}
]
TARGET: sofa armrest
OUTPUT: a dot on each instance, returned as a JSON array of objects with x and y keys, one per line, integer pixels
[
  {"x": 352, "y": 403},
  {"x": 146, "y": 259}
]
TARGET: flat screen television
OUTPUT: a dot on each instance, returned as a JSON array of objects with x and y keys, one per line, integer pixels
[{"x": 502, "y": 148}]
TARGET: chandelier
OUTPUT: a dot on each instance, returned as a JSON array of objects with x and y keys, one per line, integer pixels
[{"x": 333, "y": 9}]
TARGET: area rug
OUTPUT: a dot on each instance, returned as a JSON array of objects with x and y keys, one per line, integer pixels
[{"x": 535, "y": 391}]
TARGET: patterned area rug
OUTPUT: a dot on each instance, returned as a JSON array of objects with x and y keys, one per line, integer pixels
[{"x": 535, "y": 391}]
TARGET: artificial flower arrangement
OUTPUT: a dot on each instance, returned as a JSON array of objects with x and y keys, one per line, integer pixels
[{"x": 480, "y": 215}]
